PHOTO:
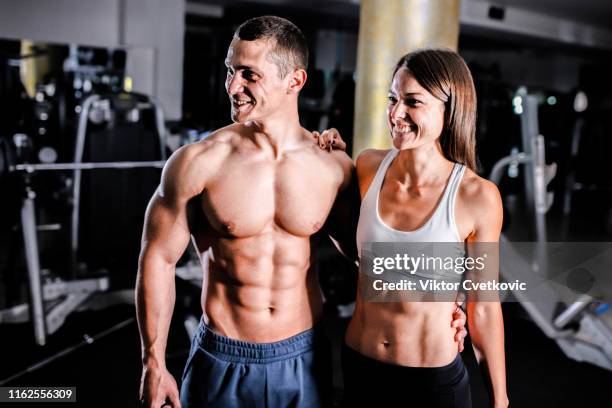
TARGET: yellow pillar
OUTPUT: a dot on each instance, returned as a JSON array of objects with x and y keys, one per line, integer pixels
[
  {"x": 33, "y": 70},
  {"x": 389, "y": 29}
]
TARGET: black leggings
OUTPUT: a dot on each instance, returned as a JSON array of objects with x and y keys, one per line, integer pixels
[{"x": 372, "y": 383}]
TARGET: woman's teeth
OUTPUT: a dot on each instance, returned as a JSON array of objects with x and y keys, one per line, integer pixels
[{"x": 403, "y": 129}]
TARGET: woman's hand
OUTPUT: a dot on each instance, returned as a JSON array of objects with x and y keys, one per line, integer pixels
[
  {"x": 330, "y": 140},
  {"x": 459, "y": 320}
]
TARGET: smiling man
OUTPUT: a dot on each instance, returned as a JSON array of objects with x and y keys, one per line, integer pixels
[{"x": 255, "y": 196}]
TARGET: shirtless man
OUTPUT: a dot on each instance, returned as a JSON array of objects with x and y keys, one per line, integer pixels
[{"x": 255, "y": 196}]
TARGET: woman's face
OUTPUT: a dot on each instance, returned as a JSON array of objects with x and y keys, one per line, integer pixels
[{"x": 415, "y": 117}]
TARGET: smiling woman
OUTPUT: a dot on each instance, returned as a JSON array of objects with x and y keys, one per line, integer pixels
[{"x": 424, "y": 190}]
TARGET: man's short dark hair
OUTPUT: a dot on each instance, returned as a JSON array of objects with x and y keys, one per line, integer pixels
[{"x": 290, "y": 50}]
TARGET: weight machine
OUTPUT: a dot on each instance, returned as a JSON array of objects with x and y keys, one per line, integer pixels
[
  {"x": 53, "y": 299},
  {"x": 583, "y": 326}
]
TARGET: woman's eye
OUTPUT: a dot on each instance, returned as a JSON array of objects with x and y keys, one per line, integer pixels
[
  {"x": 413, "y": 102},
  {"x": 391, "y": 99}
]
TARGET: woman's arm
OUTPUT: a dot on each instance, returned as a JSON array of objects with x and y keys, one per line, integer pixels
[
  {"x": 486, "y": 328},
  {"x": 485, "y": 320}
]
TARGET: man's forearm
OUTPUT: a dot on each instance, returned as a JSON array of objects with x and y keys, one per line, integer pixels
[{"x": 155, "y": 296}]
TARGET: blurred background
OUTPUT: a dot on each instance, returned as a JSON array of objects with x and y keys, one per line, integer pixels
[{"x": 96, "y": 94}]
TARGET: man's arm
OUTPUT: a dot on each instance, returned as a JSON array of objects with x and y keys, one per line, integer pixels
[
  {"x": 165, "y": 238},
  {"x": 341, "y": 224}
]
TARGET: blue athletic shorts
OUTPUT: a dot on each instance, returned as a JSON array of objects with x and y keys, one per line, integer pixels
[{"x": 223, "y": 372}]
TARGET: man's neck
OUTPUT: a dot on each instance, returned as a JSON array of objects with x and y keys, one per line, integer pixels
[{"x": 281, "y": 133}]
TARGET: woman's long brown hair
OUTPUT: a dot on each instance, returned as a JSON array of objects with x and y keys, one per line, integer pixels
[{"x": 445, "y": 75}]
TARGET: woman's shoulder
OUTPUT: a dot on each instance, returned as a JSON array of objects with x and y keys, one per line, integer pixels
[
  {"x": 479, "y": 192},
  {"x": 369, "y": 160},
  {"x": 479, "y": 207}
]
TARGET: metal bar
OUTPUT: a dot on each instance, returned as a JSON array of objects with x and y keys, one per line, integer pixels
[
  {"x": 161, "y": 127},
  {"x": 529, "y": 131},
  {"x": 57, "y": 316},
  {"x": 30, "y": 168},
  {"x": 16, "y": 314},
  {"x": 498, "y": 168},
  {"x": 76, "y": 184},
  {"x": 540, "y": 202},
  {"x": 87, "y": 340},
  {"x": 30, "y": 240},
  {"x": 53, "y": 290},
  {"x": 539, "y": 176},
  {"x": 572, "y": 311}
]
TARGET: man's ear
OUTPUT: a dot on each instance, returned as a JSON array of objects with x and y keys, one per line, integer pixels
[{"x": 297, "y": 79}]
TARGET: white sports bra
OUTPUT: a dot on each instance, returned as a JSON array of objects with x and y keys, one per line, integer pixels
[{"x": 440, "y": 227}]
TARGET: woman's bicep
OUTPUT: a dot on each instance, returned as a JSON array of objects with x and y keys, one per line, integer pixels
[{"x": 488, "y": 214}]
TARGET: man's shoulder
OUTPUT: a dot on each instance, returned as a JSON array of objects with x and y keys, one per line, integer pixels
[
  {"x": 217, "y": 144},
  {"x": 335, "y": 163},
  {"x": 345, "y": 163},
  {"x": 224, "y": 138},
  {"x": 341, "y": 158},
  {"x": 229, "y": 134},
  {"x": 335, "y": 159},
  {"x": 191, "y": 166}
]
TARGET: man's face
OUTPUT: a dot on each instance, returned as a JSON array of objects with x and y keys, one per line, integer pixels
[{"x": 252, "y": 82}]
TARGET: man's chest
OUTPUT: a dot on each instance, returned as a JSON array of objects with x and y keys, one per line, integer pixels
[{"x": 248, "y": 198}]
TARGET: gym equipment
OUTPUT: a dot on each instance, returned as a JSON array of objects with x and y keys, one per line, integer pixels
[
  {"x": 52, "y": 300},
  {"x": 589, "y": 340},
  {"x": 590, "y": 143},
  {"x": 7, "y": 164}
]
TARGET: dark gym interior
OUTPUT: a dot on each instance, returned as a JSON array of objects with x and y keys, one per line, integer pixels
[{"x": 133, "y": 80}]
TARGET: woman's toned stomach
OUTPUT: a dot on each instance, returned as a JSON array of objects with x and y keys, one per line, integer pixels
[{"x": 413, "y": 334}]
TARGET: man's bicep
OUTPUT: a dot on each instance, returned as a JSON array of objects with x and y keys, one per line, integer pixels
[{"x": 166, "y": 231}]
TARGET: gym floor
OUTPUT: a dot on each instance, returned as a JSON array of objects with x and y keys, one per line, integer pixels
[{"x": 106, "y": 371}]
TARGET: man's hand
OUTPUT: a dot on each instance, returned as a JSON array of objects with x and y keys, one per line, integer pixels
[
  {"x": 330, "y": 139},
  {"x": 158, "y": 389},
  {"x": 459, "y": 320}
]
